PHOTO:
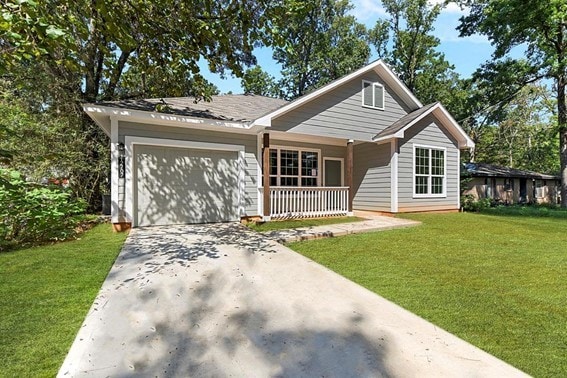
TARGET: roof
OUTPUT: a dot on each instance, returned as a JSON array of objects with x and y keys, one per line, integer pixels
[
  {"x": 377, "y": 66},
  {"x": 491, "y": 170},
  {"x": 229, "y": 107},
  {"x": 398, "y": 128}
]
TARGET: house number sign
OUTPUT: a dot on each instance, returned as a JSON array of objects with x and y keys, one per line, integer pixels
[{"x": 121, "y": 167}]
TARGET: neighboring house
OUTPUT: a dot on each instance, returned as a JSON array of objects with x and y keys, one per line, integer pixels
[
  {"x": 509, "y": 185},
  {"x": 361, "y": 142}
]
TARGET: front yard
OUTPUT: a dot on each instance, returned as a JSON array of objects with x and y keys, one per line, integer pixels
[
  {"x": 499, "y": 282},
  {"x": 45, "y": 293}
]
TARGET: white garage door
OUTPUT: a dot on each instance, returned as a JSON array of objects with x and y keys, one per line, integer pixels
[{"x": 179, "y": 185}]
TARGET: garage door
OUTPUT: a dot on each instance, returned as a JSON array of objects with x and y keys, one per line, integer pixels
[{"x": 178, "y": 185}]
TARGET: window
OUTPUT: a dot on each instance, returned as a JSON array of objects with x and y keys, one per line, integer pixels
[
  {"x": 372, "y": 95},
  {"x": 294, "y": 167},
  {"x": 429, "y": 172}
]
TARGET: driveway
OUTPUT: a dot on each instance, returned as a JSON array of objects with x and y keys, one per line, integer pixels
[{"x": 221, "y": 300}]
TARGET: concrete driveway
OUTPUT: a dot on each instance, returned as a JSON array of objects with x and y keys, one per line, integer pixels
[{"x": 220, "y": 300}]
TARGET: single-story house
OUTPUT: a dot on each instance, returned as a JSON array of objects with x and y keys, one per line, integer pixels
[
  {"x": 510, "y": 186},
  {"x": 361, "y": 142}
]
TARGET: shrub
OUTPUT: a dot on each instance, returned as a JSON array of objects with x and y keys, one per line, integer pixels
[
  {"x": 33, "y": 214},
  {"x": 469, "y": 203}
]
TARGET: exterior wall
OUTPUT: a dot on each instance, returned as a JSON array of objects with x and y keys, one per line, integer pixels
[
  {"x": 544, "y": 191},
  {"x": 427, "y": 133},
  {"x": 250, "y": 200},
  {"x": 371, "y": 176},
  {"x": 340, "y": 113}
]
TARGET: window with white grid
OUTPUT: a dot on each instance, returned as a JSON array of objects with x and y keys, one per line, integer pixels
[
  {"x": 429, "y": 172},
  {"x": 294, "y": 167}
]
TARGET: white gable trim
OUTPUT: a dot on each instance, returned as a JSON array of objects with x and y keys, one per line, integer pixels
[
  {"x": 377, "y": 66},
  {"x": 446, "y": 120}
]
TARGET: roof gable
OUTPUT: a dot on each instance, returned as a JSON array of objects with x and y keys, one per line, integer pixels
[
  {"x": 378, "y": 66},
  {"x": 397, "y": 129}
]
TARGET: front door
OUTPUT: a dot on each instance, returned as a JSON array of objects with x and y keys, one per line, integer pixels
[
  {"x": 523, "y": 190},
  {"x": 333, "y": 172}
]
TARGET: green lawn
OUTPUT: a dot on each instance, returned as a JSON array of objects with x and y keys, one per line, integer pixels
[
  {"x": 499, "y": 282},
  {"x": 45, "y": 293},
  {"x": 296, "y": 223}
]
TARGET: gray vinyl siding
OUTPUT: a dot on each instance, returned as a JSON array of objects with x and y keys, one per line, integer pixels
[
  {"x": 326, "y": 150},
  {"x": 427, "y": 133},
  {"x": 371, "y": 177},
  {"x": 178, "y": 133},
  {"x": 339, "y": 113}
]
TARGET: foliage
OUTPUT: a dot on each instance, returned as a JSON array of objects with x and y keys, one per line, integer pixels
[
  {"x": 324, "y": 43},
  {"x": 534, "y": 210},
  {"x": 405, "y": 41},
  {"x": 467, "y": 273},
  {"x": 471, "y": 204},
  {"x": 541, "y": 28},
  {"x": 258, "y": 82},
  {"x": 525, "y": 135},
  {"x": 31, "y": 213},
  {"x": 62, "y": 54},
  {"x": 45, "y": 293}
]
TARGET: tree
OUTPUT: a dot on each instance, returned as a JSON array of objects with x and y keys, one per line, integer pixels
[
  {"x": 257, "y": 81},
  {"x": 413, "y": 54},
  {"x": 67, "y": 53},
  {"x": 323, "y": 44},
  {"x": 540, "y": 27}
]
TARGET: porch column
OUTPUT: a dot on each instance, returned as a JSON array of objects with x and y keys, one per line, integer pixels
[
  {"x": 349, "y": 174},
  {"x": 266, "y": 175}
]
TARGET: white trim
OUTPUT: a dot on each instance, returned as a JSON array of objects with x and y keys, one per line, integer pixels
[
  {"x": 458, "y": 179},
  {"x": 259, "y": 163},
  {"x": 429, "y": 195},
  {"x": 377, "y": 66},
  {"x": 342, "y": 160},
  {"x": 394, "y": 163},
  {"x": 373, "y": 84},
  {"x": 98, "y": 113},
  {"x": 130, "y": 187},
  {"x": 114, "y": 179},
  {"x": 299, "y": 176}
]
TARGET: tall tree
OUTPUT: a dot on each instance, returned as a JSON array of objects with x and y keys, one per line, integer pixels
[
  {"x": 405, "y": 41},
  {"x": 324, "y": 43},
  {"x": 81, "y": 51},
  {"x": 541, "y": 28},
  {"x": 257, "y": 81}
]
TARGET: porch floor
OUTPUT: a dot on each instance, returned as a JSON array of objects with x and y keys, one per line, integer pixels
[{"x": 373, "y": 222}]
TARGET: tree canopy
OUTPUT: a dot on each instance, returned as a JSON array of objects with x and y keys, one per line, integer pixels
[{"x": 541, "y": 28}]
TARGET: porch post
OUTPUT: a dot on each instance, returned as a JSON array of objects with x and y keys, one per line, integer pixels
[
  {"x": 266, "y": 175},
  {"x": 349, "y": 174}
]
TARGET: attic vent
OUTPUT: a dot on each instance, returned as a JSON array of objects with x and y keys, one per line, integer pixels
[{"x": 372, "y": 95}]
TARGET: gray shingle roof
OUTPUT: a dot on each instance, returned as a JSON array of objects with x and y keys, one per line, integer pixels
[
  {"x": 491, "y": 170},
  {"x": 404, "y": 121},
  {"x": 237, "y": 108}
]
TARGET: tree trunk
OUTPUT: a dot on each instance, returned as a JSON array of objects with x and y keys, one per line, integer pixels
[{"x": 562, "y": 122}]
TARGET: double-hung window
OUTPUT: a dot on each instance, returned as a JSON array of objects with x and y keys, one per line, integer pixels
[
  {"x": 429, "y": 171},
  {"x": 294, "y": 167},
  {"x": 372, "y": 95}
]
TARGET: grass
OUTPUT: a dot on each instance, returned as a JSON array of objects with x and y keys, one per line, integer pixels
[
  {"x": 296, "y": 223},
  {"x": 499, "y": 282},
  {"x": 530, "y": 211},
  {"x": 45, "y": 293}
]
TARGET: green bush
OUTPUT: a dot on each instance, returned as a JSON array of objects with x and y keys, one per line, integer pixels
[
  {"x": 33, "y": 214},
  {"x": 470, "y": 204}
]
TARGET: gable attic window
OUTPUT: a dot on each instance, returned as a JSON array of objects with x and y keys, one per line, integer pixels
[{"x": 372, "y": 95}]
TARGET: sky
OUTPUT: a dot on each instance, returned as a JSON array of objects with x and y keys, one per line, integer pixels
[{"x": 466, "y": 54}]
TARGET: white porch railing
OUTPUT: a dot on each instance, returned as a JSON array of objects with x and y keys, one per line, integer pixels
[{"x": 291, "y": 202}]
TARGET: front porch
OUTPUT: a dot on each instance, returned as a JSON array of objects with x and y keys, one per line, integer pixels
[{"x": 302, "y": 181}]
